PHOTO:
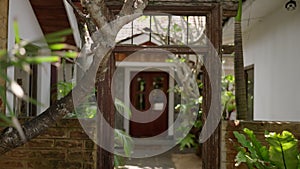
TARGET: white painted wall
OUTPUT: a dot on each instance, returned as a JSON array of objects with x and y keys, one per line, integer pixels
[
  {"x": 273, "y": 46},
  {"x": 29, "y": 30}
]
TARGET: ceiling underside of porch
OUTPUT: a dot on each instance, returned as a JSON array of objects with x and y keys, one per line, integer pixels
[{"x": 52, "y": 15}]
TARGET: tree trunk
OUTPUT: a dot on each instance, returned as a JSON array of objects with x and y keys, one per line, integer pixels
[
  {"x": 104, "y": 39},
  {"x": 240, "y": 84}
]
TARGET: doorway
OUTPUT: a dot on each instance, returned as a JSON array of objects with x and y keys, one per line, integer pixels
[{"x": 149, "y": 103}]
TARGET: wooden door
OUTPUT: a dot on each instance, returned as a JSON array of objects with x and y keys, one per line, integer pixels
[{"x": 149, "y": 114}]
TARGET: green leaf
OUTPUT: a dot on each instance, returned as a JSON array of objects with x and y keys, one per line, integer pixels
[
  {"x": 240, "y": 158},
  {"x": 2, "y": 53},
  {"x": 16, "y": 30},
  {"x": 239, "y": 13},
  {"x": 187, "y": 141},
  {"x": 262, "y": 151},
  {"x": 58, "y": 34},
  {"x": 245, "y": 143},
  {"x": 283, "y": 150},
  {"x": 41, "y": 59},
  {"x": 123, "y": 139},
  {"x": 58, "y": 46},
  {"x": 71, "y": 54},
  {"x": 122, "y": 108},
  {"x": 56, "y": 40},
  {"x": 6, "y": 121}
]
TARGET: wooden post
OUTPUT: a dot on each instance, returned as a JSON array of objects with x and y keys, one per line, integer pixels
[
  {"x": 211, "y": 148},
  {"x": 105, "y": 159},
  {"x": 3, "y": 40}
]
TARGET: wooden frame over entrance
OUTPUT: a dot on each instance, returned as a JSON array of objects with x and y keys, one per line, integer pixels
[{"x": 214, "y": 12}]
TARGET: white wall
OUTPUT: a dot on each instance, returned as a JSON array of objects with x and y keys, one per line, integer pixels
[
  {"x": 273, "y": 46},
  {"x": 29, "y": 30}
]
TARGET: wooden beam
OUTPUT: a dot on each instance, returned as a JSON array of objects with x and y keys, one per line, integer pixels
[
  {"x": 3, "y": 40},
  {"x": 227, "y": 49},
  {"x": 211, "y": 148},
  {"x": 172, "y": 49},
  {"x": 185, "y": 7},
  {"x": 105, "y": 159}
]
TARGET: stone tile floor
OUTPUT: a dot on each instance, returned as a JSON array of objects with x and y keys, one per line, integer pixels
[{"x": 173, "y": 159}]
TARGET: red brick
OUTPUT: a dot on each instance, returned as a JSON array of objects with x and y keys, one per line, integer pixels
[
  {"x": 55, "y": 133},
  {"x": 69, "y": 165},
  {"x": 42, "y": 164},
  {"x": 6, "y": 164},
  {"x": 40, "y": 143},
  {"x": 89, "y": 144},
  {"x": 89, "y": 156},
  {"x": 81, "y": 155},
  {"x": 52, "y": 154},
  {"x": 89, "y": 166},
  {"x": 78, "y": 134},
  {"x": 60, "y": 143},
  {"x": 68, "y": 123},
  {"x": 75, "y": 155},
  {"x": 22, "y": 154}
]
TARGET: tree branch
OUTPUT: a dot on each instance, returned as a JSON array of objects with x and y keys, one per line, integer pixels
[
  {"x": 10, "y": 138},
  {"x": 133, "y": 6},
  {"x": 105, "y": 10},
  {"x": 99, "y": 12},
  {"x": 77, "y": 10},
  {"x": 127, "y": 8}
]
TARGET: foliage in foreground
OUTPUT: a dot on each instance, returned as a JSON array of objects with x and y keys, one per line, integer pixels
[
  {"x": 24, "y": 54},
  {"x": 228, "y": 104},
  {"x": 281, "y": 151}
]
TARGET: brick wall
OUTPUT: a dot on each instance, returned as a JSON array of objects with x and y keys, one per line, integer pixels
[
  {"x": 3, "y": 39},
  {"x": 228, "y": 140},
  {"x": 64, "y": 146}
]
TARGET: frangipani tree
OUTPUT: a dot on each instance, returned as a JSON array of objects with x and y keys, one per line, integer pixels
[{"x": 103, "y": 26}]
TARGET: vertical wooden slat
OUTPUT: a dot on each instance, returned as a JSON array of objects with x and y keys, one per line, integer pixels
[
  {"x": 211, "y": 148},
  {"x": 3, "y": 39},
  {"x": 106, "y": 159}
]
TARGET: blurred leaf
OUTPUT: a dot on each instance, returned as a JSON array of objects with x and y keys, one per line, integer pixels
[
  {"x": 16, "y": 31},
  {"x": 187, "y": 141},
  {"x": 16, "y": 89},
  {"x": 58, "y": 46},
  {"x": 2, "y": 53},
  {"x": 33, "y": 101},
  {"x": 56, "y": 40},
  {"x": 122, "y": 108},
  {"x": 41, "y": 59},
  {"x": 58, "y": 35},
  {"x": 6, "y": 121},
  {"x": 18, "y": 127},
  {"x": 123, "y": 139},
  {"x": 71, "y": 54}
]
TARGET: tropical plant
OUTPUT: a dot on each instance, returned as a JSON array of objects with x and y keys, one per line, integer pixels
[
  {"x": 228, "y": 103},
  {"x": 281, "y": 153},
  {"x": 122, "y": 140},
  {"x": 228, "y": 96},
  {"x": 191, "y": 139}
]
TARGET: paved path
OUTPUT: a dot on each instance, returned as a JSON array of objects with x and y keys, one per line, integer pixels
[{"x": 173, "y": 159}]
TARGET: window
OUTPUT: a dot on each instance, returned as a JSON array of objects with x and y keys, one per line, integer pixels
[{"x": 249, "y": 73}]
